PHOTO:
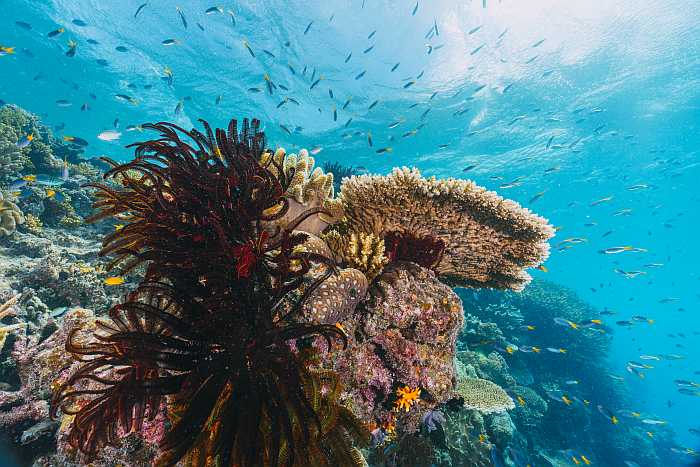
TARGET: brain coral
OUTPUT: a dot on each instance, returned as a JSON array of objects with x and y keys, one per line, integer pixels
[
  {"x": 483, "y": 395},
  {"x": 490, "y": 241},
  {"x": 10, "y": 217}
]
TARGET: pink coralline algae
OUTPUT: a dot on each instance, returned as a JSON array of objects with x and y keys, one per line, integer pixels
[
  {"x": 38, "y": 365},
  {"x": 404, "y": 334}
]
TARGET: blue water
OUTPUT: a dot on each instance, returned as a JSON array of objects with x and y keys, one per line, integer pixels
[{"x": 614, "y": 86}]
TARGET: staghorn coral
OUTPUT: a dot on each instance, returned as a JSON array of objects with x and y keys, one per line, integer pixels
[
  {"x": 212, "y": 324},
  {"x": 483, "y": 395},
  {"x": 10, "y": 217},
  {"x": 489, "y": 241},
  {"x": 308, "y": 188},
  {"x": 361, "y": 251}
]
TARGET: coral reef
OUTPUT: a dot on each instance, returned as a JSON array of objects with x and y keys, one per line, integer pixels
[
  {"x": 403, "y": 336},
  {"x": 488, "y": 241},
  {"x": 10, "y": 216},
  {"x": 211, "y": 324},
  {"x": 258, "y": 319}
]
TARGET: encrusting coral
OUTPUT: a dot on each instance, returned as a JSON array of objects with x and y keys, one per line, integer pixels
[
  {"x": 488, "y": 241},
  {"x": 10, "y": 216},
  {"x": 483, "y": 395}
]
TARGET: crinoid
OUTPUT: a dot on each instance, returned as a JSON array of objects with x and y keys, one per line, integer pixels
[{"x": 210, "y": 333}]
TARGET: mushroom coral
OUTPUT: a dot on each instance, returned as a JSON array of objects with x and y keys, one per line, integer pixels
[
  {"x": 475, "y": 237},
  {"x": 210, "y": 331}
]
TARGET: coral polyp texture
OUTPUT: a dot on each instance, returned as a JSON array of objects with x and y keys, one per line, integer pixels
[
  {"x": 483, "y": 395},
  {"x": 489, "y": 241}
]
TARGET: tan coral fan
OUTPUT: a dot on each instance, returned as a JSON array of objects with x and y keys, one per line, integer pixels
[
  {"x": 490, "y": 240},
  {"x": 483, "y": 395}
]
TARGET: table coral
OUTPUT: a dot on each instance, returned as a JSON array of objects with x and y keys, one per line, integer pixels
[
  {"x": 10, "y": 217},
  {"x": 489, "y": 241}
]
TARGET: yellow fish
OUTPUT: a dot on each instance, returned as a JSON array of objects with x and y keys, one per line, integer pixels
[
  {"x": 50, "y": 193},
  {"x": 576, "y": 461},
  {"x": 521, "y": 401},
  {"x": 29, "y": 178},
  {"x": 118, "y": 227},
  {"x": 114, "y": 281},
  {"x": 566, "y": 400},
  {"x": 585, "y": 460}
]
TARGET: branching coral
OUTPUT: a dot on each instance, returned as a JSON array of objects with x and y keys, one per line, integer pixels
[
  {"x": 33, "y": 224},
  {"x": 489, "y": 241},
  {"x": 483, "y": 395},
  {"x": 10, "y": 217},
  {"x": 12, "y": 159},
  {"x": 211, "y": 325},
  {"x": 361, "y": 251},
  {"x": 308, "y": 188}
]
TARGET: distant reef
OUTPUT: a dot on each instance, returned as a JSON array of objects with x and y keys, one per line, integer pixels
[{"x": 225, "y": 292}]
